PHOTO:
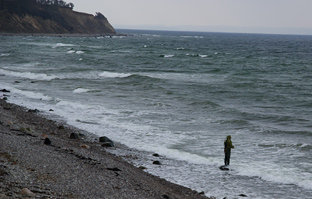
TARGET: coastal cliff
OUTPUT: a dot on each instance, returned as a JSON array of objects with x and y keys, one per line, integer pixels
[{"x": 52, "y": 20}]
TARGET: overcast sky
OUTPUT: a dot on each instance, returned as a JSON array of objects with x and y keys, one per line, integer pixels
[{"x": 254, "y": 16}]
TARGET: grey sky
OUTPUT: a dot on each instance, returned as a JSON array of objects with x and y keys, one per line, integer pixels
[{"x": 262, "y": 16}]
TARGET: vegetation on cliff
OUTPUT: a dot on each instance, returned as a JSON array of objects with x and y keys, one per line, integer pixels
[{"x": 49, "y": 16}]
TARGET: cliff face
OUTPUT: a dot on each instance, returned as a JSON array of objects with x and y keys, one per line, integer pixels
[{"x": 54, "y": 21}]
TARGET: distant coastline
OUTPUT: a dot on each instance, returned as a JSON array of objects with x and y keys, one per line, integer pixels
[
  {"x": 28, "y": 17},
  {"x": 4, "y": 34}
]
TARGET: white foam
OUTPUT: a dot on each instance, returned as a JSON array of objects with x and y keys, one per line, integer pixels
[
  {"x": 63, "y": 45},
  {"x": 168, "y": 56},
  {"x": 275, "y": 173},
  {"x": 29, "y": 75},
  {"x": 81, "y": 90},
  {"x": 107, "y": 74},
  {"x": 79, "y": 52},
  {"x": 5, "y": 55},
  {"x": 71, "y": 52},
  {"x": 32, "y": 95}
]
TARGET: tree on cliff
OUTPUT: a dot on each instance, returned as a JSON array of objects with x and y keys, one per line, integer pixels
[
  {"x": 27, "y": 5},
  {"x": 100, "y": 16}
]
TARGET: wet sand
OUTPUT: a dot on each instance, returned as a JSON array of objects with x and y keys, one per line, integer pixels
[{"x": 33, "y": 167}]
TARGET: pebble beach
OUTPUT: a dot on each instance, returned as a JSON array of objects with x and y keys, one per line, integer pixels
[{"x": 40, "y": 158}]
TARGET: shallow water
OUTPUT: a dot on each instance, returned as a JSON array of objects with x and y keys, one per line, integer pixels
[{"x": 179, "y": 94}]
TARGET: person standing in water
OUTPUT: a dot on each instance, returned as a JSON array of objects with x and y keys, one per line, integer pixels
[{"x": 227, "y": 150}]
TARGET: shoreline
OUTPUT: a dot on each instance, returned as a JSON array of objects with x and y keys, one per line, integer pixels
[{"x": 68, "y": 168}]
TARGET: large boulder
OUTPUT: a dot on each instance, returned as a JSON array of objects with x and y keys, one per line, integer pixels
[{"x": 106, "y": 142}]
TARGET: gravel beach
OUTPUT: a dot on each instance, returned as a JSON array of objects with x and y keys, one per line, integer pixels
[{"x": 38, "y": 159}]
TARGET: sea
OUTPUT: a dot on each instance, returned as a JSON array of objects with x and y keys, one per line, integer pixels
[{"x": 178, "y": 95}]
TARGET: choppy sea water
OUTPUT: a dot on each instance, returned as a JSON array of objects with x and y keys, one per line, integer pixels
[{"x": 179, "y": 94}]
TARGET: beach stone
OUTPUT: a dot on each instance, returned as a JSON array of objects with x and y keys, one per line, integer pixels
[
  {"x": 47, "y": 141},
  {"x": 27, "y": 192},
  {"x": 104, "y": 139},
  {"x": 113, "y": 169},
  {"x": 166, "y": 196},
  {"x": 5, "y": 90},
  {"x": 33, "y": 111},
  {"x": 85, "y": 146},
  {"x": 61, "y": 127},
  {"x": 74, "y": 136},
  {"x": 157, "y": 162},
  {"x": 7, "y": 108},
  {"x": 107, "y": 142},
  {"x": 224, "y": 168}
]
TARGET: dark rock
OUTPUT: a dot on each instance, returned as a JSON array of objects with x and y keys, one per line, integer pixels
[
  {"x": 107, "y": 142},
  {"x": 61, "y": 127},
  {"x": 156, "y": 155},
  {"x": 33, "y": 111},
  {"x": 113, "y": 169},
  {"x": 224, "y": 168},
  {"x": 165, "y": 196},
  {"x": 7, "y": 108},
  {"x": 201, "y": 193},
  {"x": 5, "y": 90},
  {"x": 74, "y": 136},
  {"x": 157, "y": 162},
  {"x": 47, "y": 141},
  {"x": 17, "y": 82},
  {"x": 51, "y": 110},
  {"x": 5, "y": 98},
  {"x": 142, "y": 167},
  {"x": 243, "y": 195},
  {"x": 104, "y": 139}
]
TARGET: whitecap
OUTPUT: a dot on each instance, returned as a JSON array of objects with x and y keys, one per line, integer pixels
[
  {"x": 62, "y": 45},
  {"x": 168, "y": 56},
  {"x": 81, "y": 90},
  {"x": 5, "y": 55},
  {"x": 79, "y": 52},
  {"x": 70, "y": 51},
  {"x": 32, "y": 95},
  {"x": 203, "y": 56},
  {"x": 29, "y": 75},
  {"x": 114, "y": 74}
]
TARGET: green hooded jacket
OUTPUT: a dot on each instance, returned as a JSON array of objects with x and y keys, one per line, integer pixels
[{"x": 228, "y": 143}]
